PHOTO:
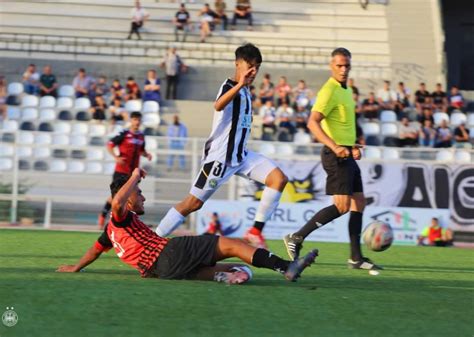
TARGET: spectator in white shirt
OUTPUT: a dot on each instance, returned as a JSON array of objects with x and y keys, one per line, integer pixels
[{"x": 139, "y": 16}]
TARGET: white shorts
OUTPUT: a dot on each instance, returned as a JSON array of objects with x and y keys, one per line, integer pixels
[{"x": 214, "y": 173}]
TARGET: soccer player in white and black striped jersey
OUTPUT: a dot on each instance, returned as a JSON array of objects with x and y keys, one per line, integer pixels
[{"x": 226, "y": 154}]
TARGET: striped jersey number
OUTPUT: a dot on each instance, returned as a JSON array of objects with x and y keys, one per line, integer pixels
[{"x": 117, "y": 245}]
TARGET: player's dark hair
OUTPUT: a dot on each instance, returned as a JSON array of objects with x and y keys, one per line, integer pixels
[
  {"x": 248, "y": 52},
  {"x": 136, "y": 114},
  {"x": 341, "y": 51},
  {"x": 117, "y": 184}
]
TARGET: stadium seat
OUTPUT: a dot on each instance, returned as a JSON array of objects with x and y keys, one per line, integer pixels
[
  {"x": 9, "y": 125},
  {"x": 83, "y": 116},
  {"x": 58, "y": 166},
  {"x": 47, "y": 102},
  {"x": 390, "y": 153},
  {"x": 444, "y": 156},
  {"x": 439, "y": 116},
  {"x": 61, "y": 140},
  {"x": 75, "y": 166},
  {"x": 26, "y": 138},
  {"x": 13, "y": 112},
  {"x": 28, "y": 126},
  {"x": 29, "y": 101},
  {"x": 65, "y": 115},
  {"x": 82, "y": 104},
  {"x": 151, "y": 144},
  {"x": 388, "y": 116},
  {"x": 150, "y": 107},
  {"x": 371, "y": 129},
  {"x": 133, "y": 105},
  {"x": 80, "y": 129},
  {"x": 372, "y": 153},
  {"x": 458, "y": 118},
  {"x": 97, "y": 141},
  {"x": 94, "y": 168},
  {"x": 6, "y": 164},
  {"x": 95, "y": 154},
  {"x": 24, "y": 165},
  {"x": 284, "y": 150},
  {"x": 62, "y": 127},
  {"x": 151, "y": 120},
  {"x": 24, "y": 151},
  {"x": 43, "y": 138},
  {"x": 8, "y": 137},
  {"x": 15, "y": 88},
  {"x": 6, "y": 150},
  {"x": 66, "y": 91},
  {"x": 29, "y": 114},
  {"x": 45, "y": 127},
  {"x": 97, "y": 130},
  {"x": 64, "y": 103},
  {"x": 78, "y": 140},
  {"x": 47, "y": 115},
  {"x": 42, "y": 152},
  {"x": 461, "y": 156},
  {"x": 267, "y": 149},
  {"x": 40, "y": 165},
  {"x": 470, "y": 119}
]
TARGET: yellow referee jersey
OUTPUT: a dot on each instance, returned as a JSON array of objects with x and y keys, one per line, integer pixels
[{"x": 337, "y": 106}]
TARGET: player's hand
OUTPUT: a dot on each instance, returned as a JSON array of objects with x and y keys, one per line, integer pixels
[
  {"x": 67, "y": 268},
  {"x": 341, "y": 151},
  {"x": 119, "y": 160},
  {"x": 148, "y": 156},
  {"x": 356, "y": 153}
]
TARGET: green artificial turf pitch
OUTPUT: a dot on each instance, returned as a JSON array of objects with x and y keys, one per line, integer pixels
[{"x": 424, "y": 291}]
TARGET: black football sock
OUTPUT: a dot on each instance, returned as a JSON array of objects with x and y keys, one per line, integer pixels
[
  {"x": 321, "y": 218},
  {"x": 259, "y": 225},
  {"x": 355, "y": 227},
  {"x": 262, "y": 258},
  {"x": 106, "y": 208}
]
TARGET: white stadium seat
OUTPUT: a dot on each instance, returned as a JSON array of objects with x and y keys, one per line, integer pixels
[
  {"x": 42, "y": 152},
  {"x": 458, "y": 118},
  {"x": 26, "y": 138},
  {"x": 151, "y": 120},
  {"x": 47, "y": 115},
  {"x": 9, "y": 125},
  {"x": 58, "y": 166},
  {"x": 66, "y": 91},
  {"x": 76, "y": 166},
  {"x": 94, "y": 168},
  {"x": 97, "y": 130},
  {"x": 267, "y": 149},
  {"x": 13, "y": 112},
  {"x": 61, "y": 140},
  {"x": 47, "y": 102},
  {"x": 284, "y": 149},
  {"x": 29, "y": 101},
  {"x": 95, "y": 154},
  {"x": 389, "y": 129},
  {"x": 29, "y": 114},
  {"x": 64, "y": 103},
  {"x": 372, "y": 153},
  {"x": 133, "y": 105},
  {"x": 6, "y": 164},
  {"x": 390, "y": 153},
  {"x": 82, "y": 104},
  {"x": 78, "y": 140},
  {"x": 6, "y": 150},
  {"x": 80, "y": 129},
  {"x": 444, "y": 155},
  {"x": 439, "y": 116},
  {"x": 24, "y": 151},
  {"x": 62, "y": 127},
  {"x": 462, "y": 156},
  {"x": 15, "y": 88},
  {"x": 388, "y": 116},
  {"x": 150, "y": 107},
  {"x": 371, "y": 129}
]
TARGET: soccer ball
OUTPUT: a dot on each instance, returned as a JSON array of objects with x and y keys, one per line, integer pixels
[{"x": 378, "y": 236}]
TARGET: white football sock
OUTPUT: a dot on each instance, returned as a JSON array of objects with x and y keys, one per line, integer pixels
[
  {"x": 268, "y": 204},
  {"x": 169, "y": 223}
]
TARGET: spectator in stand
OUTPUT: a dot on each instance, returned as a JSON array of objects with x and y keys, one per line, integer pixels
[
  {"x": 456, "y": 100},
  {"x": 387, "y": 97},
  {"x": 117, "y": 111},
  {"x": 403, "y": 98},
  {"x": 370, "y": 107},
  {"x": 301, "y": 93},
  {"x": 181, "y": 21},
  {"x": 443, "y": 135},
  {"x": 407, "y": 134},
  {"x": 139, "y": 16},
  {"x": 82, "y": 83},
  {"x": 208, "y": 21},
  {"x": 132, "y": 90},
  {"x": 440, "y": 99},
  {"x": 31, "y": 80},
  {"x": 116, "y": 90},
  {"x": 268, "y": 114},
  {"x": 48, "y": 83},
  {"x": 427, "y": 113},
  {"x": 461, "y": 136},
  {"x": 152, "y": 87},
  {"x": 173, "y": 65},
  {"x": 427, "y": 134},
  {"x": 3, "y": 97},
  {"x": 220, "y": 7},
  {"x": 283, "y": 91},
  {"x": 98, "y": 108},
  {"x": 243, "y": 11},
  {"x": 267, "y": 90},
  {"x": 421, "y": 96},
  {"x": 435, "y": 235},
  {"x": 177, "y": 133}
]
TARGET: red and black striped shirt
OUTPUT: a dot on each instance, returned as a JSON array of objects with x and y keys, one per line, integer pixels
[
  {"x": 131, "y": 146},
  {"x": 134, "y": 242}
]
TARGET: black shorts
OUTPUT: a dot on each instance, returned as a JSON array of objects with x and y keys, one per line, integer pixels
[
  {"x": 183, "y": 256},
  {"x": 119, "y": 175},
  {"x": 344, "y": 176}
]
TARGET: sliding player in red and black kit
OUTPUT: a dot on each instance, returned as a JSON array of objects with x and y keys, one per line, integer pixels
[
  {"x": 187, "y": 257},
  {"x": 131, "y": 145}
]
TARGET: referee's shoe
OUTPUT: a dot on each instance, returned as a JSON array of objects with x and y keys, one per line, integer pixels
[{"x": 364, "y": 263}]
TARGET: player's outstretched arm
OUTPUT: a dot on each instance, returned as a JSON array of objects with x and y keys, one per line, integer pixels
[{"x": 90, "y": 256}]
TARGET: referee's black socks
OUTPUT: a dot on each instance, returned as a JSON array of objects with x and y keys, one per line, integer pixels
[
  {"x": 262, "y": 258},
  {"x": 321, "y": 218},
  {"x": 355, "y": 227}
]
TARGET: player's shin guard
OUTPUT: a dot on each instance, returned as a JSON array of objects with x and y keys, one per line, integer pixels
[
  {"x": 268, "y": 204},
  {"x": 355, "y": 228},
  {"x": 169, "y": 223},
  {"x": 262, "y": 258}
]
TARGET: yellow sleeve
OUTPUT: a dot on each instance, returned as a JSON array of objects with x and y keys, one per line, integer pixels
[{"x": 324, "y": 103}]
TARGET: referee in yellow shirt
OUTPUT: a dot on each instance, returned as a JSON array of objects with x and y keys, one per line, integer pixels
[{"x": 332, "y": 123}]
